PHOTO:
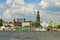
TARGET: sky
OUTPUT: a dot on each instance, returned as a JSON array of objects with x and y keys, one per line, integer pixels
[{"x": 49, "y": 10}]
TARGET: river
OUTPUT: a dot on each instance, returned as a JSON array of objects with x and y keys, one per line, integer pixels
[{"x": 29, "y": 35}]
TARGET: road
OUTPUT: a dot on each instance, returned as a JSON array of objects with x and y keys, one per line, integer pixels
[{"x": 29, "y": 35}]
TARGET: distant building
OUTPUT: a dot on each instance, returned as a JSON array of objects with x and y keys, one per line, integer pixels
[
  {"x": 53, "y": 24},
  {"x": 15, "y": 22},
  {"x": 7, "y": 24},
  {"x": 50, "y": 24},
  {"x": 27, "y": 24},
  {"x": 37, "y": 22},
  {"x": 18, "y": 22}
]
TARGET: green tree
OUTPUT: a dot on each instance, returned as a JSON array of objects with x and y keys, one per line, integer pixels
[
  {"x": 1, "y": 22},
  {"x": 58, "y": 26}
]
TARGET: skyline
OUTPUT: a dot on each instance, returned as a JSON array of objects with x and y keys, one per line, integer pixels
[{"x": 49, "y": 10}]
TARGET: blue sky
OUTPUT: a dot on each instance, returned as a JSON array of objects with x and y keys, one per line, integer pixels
[
  {"x": 49, "y": 10},
  {"x": 2, "y": 1},
  {"x": 28, "y": 1},
  {"x": 32, "y": 1}
]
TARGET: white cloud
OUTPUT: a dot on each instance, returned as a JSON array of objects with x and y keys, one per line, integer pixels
[
  {"x": 7, "y": 14},
  {"x": 57, "y": 3},
  {"x": 15, "y": 1},
  {"x": 29, "y": 8},
  {"x": 20, "y": 7},
  {"x": 18, "y": 1},
  {"x": 9, "y": 1},
  {"x": 23, "y": 8},
  {"x": 13, "y": 4},
  {"x": 49, "y": 3},
  {"x": 44, "y": 4},
  {"x": 1, "y": 6}
]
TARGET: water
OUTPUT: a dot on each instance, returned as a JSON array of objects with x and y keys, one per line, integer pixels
[{"x": 29, "y": 35}]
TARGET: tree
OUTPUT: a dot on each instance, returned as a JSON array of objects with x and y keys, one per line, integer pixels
[
  {"x": 1, "y": 22},
  {"x": 58, "y": 26}
]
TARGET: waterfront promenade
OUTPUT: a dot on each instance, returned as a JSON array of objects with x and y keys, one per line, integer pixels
[{"x": 29, "y": 35}]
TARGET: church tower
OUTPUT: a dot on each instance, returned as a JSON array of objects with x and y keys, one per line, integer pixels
[
  {"x": 37, "y": 22},
  {"x": 38, "y": 17}
]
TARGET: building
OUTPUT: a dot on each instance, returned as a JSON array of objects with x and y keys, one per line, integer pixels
[
  {"x": 18, "y": 22},
  {"x": 37, "y": 22},
  {"x": 15, "y": 22},
  {"x": 7, "y": 24},
  {"x": 27, "y": 24},
  {"x": 53, "y": 24}
]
